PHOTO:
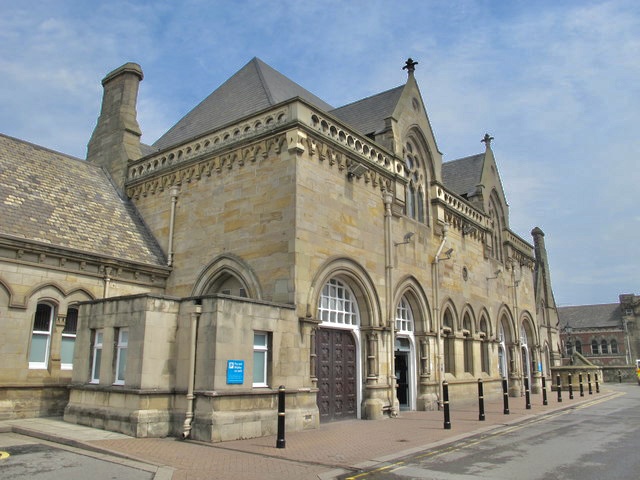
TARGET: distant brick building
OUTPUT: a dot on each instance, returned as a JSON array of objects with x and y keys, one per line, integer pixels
[
  {"x": 266, "y": 239},
  {"x": 605, "y": 335}
]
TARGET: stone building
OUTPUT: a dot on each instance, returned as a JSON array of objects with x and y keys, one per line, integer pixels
[
  {"x": 605, "y": 335},
  {"x": 266, "y": 239}
]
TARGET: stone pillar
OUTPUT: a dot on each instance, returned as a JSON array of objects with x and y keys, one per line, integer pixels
[{"x": 56, "y": 344}]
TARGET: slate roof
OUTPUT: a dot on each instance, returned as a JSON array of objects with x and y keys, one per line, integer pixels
[
  {"x": 591, "y": 316},
  {"x": 255, "y": 87},
  {"x": 368, "y": 115},
  {"x": 49, "y": 197},
  {"x": 463, "y": 175}
]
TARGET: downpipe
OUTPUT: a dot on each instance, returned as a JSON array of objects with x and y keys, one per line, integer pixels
[
  {"x": 436, "y": 307},
  {"x": 188, "y": 419}
]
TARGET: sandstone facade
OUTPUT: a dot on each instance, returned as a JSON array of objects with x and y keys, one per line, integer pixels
[{"x": 330, "y": 251}]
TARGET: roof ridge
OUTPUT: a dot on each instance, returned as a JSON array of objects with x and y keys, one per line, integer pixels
[{"x": 263, "y": 81}]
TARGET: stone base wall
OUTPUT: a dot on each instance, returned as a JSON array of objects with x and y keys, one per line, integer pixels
[
  {"x": 32, "y": 401},
  {"x": 136, "y": 414},
  {"x": 215, "y": 419}
]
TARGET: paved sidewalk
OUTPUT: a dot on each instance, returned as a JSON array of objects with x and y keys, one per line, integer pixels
[{"x": 325, "y": 453}]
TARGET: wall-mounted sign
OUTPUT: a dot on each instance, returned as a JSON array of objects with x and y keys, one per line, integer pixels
[{"x": 235, "y": 372}]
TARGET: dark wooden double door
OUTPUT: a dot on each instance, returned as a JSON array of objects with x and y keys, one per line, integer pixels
[{"x": 337, "y": 374}]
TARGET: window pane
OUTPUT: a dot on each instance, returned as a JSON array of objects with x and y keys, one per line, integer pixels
[
  {"x": 66, "y": 350},
  {"x": 96, "y": 364},
  {"x": 71, "y": 324},
  {"x": 259, "y": 340},
  {"x": 42, "y": 320},
  {"x": 39, "y": 344},
  {"x": 259, "y": 364},
  {"x": 124, "y": 337},
  {"x": 122, "y": 364}
]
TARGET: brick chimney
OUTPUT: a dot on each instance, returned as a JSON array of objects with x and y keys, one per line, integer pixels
[{"x": 116, "y": 138}]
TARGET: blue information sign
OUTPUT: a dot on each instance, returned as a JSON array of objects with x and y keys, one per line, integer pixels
[{"x": 235, "y": 372}]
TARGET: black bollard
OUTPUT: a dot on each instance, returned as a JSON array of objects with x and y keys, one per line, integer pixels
[
  {"x": 619, "y": 376},
  {"x": 581, "y": 385},
  {"x": 559, "y": 388},
  {"x": 445, "y": 403},
  {"x": 589, "y": 383},
  {"x": 480, "y": 400},
  {"x": 597, "y": 384},
  {"x": 505, "y": 396},
  {"x": 570, "y": 387},
  {"x": 280, "y": 443},
  {"x": 544, "y": 391},
  {"x": 527, "y": 394}
]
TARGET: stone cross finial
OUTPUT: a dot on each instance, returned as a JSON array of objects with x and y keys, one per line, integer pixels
[
  {"x": 487, "y": 140},
  {"x": 410, "y": 66}
]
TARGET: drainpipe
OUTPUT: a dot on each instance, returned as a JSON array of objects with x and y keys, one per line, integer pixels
[
  {"x": 436, "y": 311},
  {"x": 173, "y": 191},
  {"x": 388, "y": 198},
  {"x": 195, "y": 317}
]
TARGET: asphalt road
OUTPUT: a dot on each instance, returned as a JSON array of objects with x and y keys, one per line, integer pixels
[
  {"x": 597, "y": 440},
  {"x": 25, "y": 458}
]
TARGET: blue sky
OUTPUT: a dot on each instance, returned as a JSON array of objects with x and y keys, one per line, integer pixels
[{"x": 556, "y": 83}]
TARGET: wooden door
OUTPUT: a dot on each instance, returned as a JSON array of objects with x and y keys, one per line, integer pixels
[{"x": 336, "y": 372}]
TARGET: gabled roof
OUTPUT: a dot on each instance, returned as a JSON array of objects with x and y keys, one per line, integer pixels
[
  {"x": 591, "y": 316},
  {"x": 52, "y": 198},
  {"x": 255, "y": 87},
  {"x": 464, "y": 174},
  {"x": 368, "y": 115}
]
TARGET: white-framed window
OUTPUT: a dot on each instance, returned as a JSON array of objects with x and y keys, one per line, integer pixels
[
  {"x": 484, "y": 345},
  {"x": 614, "y": 347},
  {"x": 449, "y": 343},
  {"x": 41, "y": 336},
  {"x": 121, "y": 355},
  {"x": 68, "y": 339},
  {"x": 404, "y": 317},
  {"x": 337, "y": 304},
  {"x": 260, "y": 358},
  {"x": 96, "y": 357}
]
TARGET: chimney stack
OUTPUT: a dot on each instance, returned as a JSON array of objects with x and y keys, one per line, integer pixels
[{"x": 116, "y": 138}]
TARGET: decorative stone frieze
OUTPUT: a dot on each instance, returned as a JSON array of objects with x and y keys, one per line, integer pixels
[
  {"x": 202, "y": 166},
  {"x": 219, "y": 140},
  {"x": 356, "y": 143}
]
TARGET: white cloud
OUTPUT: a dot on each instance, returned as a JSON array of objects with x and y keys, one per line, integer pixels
[{"x": 556, "y": 85}]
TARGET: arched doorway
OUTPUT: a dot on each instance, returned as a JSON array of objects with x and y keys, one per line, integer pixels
[
  {"x": 404, "y": 355},
  {"x": 503, "y": 352},
  {"x": 336, "y": 348},
  {"x": 526, "y": 354}
]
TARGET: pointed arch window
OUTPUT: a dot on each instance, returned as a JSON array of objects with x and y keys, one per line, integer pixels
[
  {"x": 41, "y": 336},
  {"x": 484, "y": 346},
  {"x": 594, "y": 347},
  {"x": 579, "y": 346},
  {"x": 415, "y": 201},
  {"x": 337, "y": 304},
  {"x": 68, "y": 339},
  {"x": 449, "y": 343},
  {"x": 468, "y": 344},
  {"x": 404, "y": 317},
  {"x": 604, "y": 347},
  {"x": 496, "y": 233}
]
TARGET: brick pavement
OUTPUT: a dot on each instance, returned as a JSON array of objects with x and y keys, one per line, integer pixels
[{"x": 334, "y": 448}]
